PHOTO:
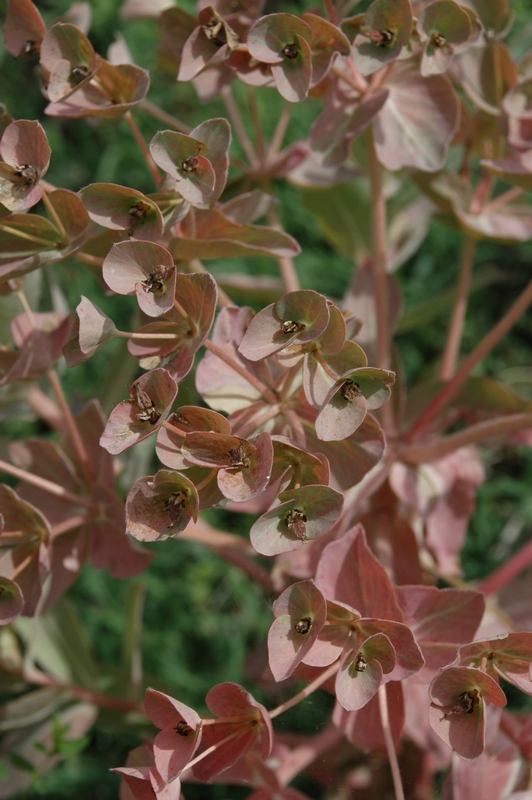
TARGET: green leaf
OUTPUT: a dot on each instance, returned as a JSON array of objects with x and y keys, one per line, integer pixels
[{"x": 343, "y": 216}]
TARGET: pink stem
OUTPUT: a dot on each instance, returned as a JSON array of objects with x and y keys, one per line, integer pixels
[
  {"x": 456, "y": 326},
  {"x": 42, "y": 483},
  {"x": 286, "y": 265},
  {"x": 508, "y": 571},
  {"x": 420, "y": 454},
  {"x": 70, "y": 422},
  {"x": 446, "y": 394},
  {"x": 390, "y": 747},
  {"x": 307, "y": 691},
  {"x": 238, "y": 125},
  {"x": 301, "y": 757},
  {"x": 143, "y": 147},
  {"x": 224, "y": 300},
  {"x": 261, "y": 387},
  {"x": 331, "y": 11},
  {"x": 163, "y": 116}
]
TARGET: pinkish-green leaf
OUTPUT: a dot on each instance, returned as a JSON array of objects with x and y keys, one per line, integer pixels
[
  {"x": 145, "y": 269},
  {"x": 303, "y": 514},
  {"x": 269, "y": 37},
  {"x": 294, "y": 74},
  {"x": 11, "y": 601},
  {"x": 216, "y": 236},
  {"x": 95, "y": 327},
  {"x": 385, "y": 29},
  {"x": 300, "y": 613},
  {"x": 216, "y": 134},
  {"x": 517, "y": 169},
  {"x": 326, "y": 40},
  {"x": 186, "y": 420},
  {"x": 300, "y": 316},
  {"x": 361, "y": 671},
  {"x": 23, "y": 29},
  {"x": 349, "y": 573},
  {"x": 418, "y": 121},
  {"x": 161, "y": 506},
  {"x": 151, "y": 397},
  {"x": 68, "y": 56},
  {"x": 120, "y": 208},
  {"x": 183, "y": 158}
]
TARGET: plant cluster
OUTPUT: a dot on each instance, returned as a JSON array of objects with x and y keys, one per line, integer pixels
[{"x": 361, "y": 487}]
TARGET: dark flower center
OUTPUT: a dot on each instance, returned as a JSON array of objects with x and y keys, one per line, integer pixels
[
  {"x": 360, "y": 664},
  {"x": 292, "y": 327},
  {"x": 304, "y": 625},
  {"x": 78, "y": 74},
  {"x": 137, "y": 213},
  {"x": 290, "y": 51},
  {"x": 29, "y": 48},
  {"x": 214, "y": 31},
  {"x": 438, "y": 40},
  {"x": 382, "y": 38},
  {"x": 27, "y": 174},
  {"x": 182, "y": 728},
  {"x": 154, "y": 283},
  {"x": 350, "y": 390},
  {"x": 238, "y": 457},
  {"x": 190, "y": 164},
  {"x": 467, "y": 702},
  {"x": 295, "y": 521},
  {"x": 174, "y": 505},
  {"x": 148, "y": 412}
]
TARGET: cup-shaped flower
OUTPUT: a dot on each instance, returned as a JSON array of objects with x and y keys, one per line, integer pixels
[
  {"x": 299, "y": 317},
  {"x": 300, "y": 613},
  {"x": 180, "y": 733},
  {"x": 457, "y": 711},
  {"x": 25, "y": 152},
  {"x": 302, "y": 514},
  {"x": 216, "y": 134},
  {"x": 442, "y": 26},
  {"x": 120, "y": 208},
  {"x": 187, "y": 420},
  {"x": 348, "y": 401},
  {"x": 94, "y": 329},
  {"x": 145, "y": 269},
  {"x": 244, "y": 467},
  {"x": 507, "y": 656},
  {"x": 282, "y": 40},
  {"x": 150, "y": 401},
  {"x": 69, "y": 60},
  {"x": 334, "y": 636},
  {"x": 326, "y": 40},
  {"x": 209, "y": 44},
  {"x": 385, "y": 29},
  {"x": 11, "y": 601},
  {"x": 183, "y": 158},
  {"x": 161, "y": 506},
  {"x": 242, "y": 724},
  {"x": 361, "y": 671},
  {"x": 293, "y": 466},
  {"x": 23, "y": 29}
]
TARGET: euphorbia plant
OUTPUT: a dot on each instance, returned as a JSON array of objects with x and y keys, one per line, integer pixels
[{"x": 361, "y": 485}]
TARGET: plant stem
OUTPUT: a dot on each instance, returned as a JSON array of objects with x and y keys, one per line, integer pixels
[
  {"x": 257, "y": 127},
  {"x": 43, "y": 483},
  {"x": 72, "y": 428},
  {"x": 308, "y": 690},
  {"x": 163, "y": 336},
  {"x": 331, "y": 11},
  {"x": 224, "y": 300},
  {"x": 46, "y": 243},
  {"x": 23, "y": 564},
  {"x": 502, "y": 200},
  {"x": 213, "y": 748},
  {"x": 456, "y": 326},
  {"x": 286, "y": 265},
  {"x": 86, "y": 258},
  {"x": 70, "y": 524},
  {"x": 163, "y": 116},
  {"x": 421, "y": 453},
  {"x": 261, "y": 387},
  {"x": 143, "y": 147},
  {"x": 446, "y": 394},
  {"x": 301, "y": 757},
  {"x": 390, "y": 747},
  {"x": 172, "y": 429},
  {"x": 104, "y": 700},
  {"x": 179, "y": 308},
  {"x": 54, "y": 215},
  {"x": 508, "y": 571},
  {"x": 280, "y": 130},
  {"x": 238, "y": 125}
]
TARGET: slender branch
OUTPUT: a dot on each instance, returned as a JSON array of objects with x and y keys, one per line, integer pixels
[
  {"x": 261, "y": 387},
  {"x": 390, "y": 747},
  {"x": 238, "y": 125},
  {"x": 297, "y": 427},
  {"x": 43, "y": 483},
  {"x": 213, "y": 748},
  {"x": 456, "y": 326},
  {"x": 251, "y": 425},
  {"x": 46, "y": 243},
  {"x": 139, "y": 138},
  {"x": 54, "y": 215},
  {"x": 173, "y": 429},
  {"x": 420, "y": 454},
  {"x": 250, "y": 567},
  {"x": 163, "y": 336},
  {"x": 280, "y": 130},
  {"x": 508, "y": 571},
  {"x": 308, "y": 690},
  {"x": 97, "y": 698},
  {"x": 163, "y": 116},
  {"x": 179, "y": 308},
  {"x": 502, "y": 200},
  {"x": 224, "y": 300},
  {"x": 286, "y": 265},
  {"x": 331, "y": 11},
  {"x": 70, "y": 524},
  {"x": 23, "y": 564},
  {"x": 257, "y": 127},
  {"x": 301, "y": 757},
  {"x": 446, "y": 394},
  {"x": 86, "y": 258},
  {"x": 77, "y": 441}
]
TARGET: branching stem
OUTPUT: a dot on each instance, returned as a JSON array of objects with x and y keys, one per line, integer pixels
[
  {"x": 456, "y": 326},
  {"x": 307, "y": 691},
  {"x": 261, "y": 387},
  {"x": 163, "y": 116},
  {"x": 43, "y": 483},
  {"x": 143, "y": 147},
  {"x": 238, "y": 125}
]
